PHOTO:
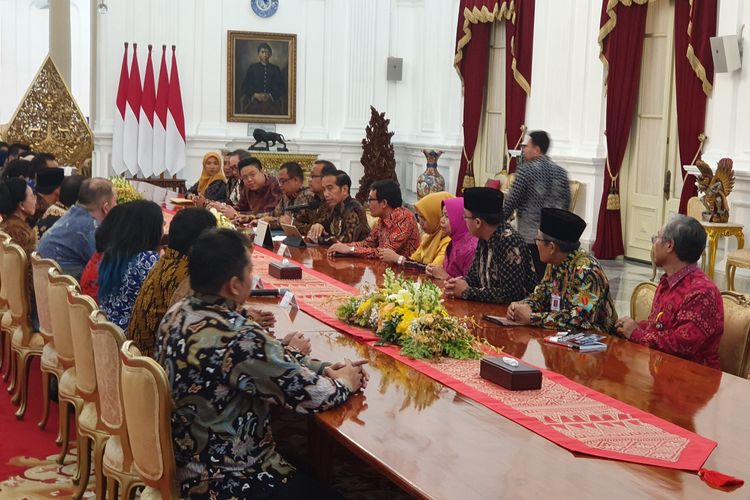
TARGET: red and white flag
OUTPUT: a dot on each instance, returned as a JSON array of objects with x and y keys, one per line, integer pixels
[
  {"x": 118, "y": 164},
  {"x": 146, "y": 120},
  {"x": 175, "y": 150},
  {"x": 132, "y": 112},
  {"x": 160, "y": 115}
]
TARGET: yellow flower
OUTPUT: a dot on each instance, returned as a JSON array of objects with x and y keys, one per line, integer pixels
[{"x": 363, "y": 307}]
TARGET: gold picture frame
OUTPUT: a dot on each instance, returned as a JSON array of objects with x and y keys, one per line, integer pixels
[{"x": 261, "y": 77}]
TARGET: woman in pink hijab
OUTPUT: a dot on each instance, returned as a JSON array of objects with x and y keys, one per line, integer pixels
[{"x": 460, "y": 252}]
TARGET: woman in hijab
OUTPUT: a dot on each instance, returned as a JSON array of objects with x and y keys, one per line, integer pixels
[
  {"x": 434, "y": 241},
  {"x": 460, "y": 251},
  {"x": 212, "y": 185}
]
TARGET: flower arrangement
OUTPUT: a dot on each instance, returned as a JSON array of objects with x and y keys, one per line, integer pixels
[
  {"x": 221, "y": 220},
  {"x": 125, "y": 190},
  {"x": 410, "y": 314}
]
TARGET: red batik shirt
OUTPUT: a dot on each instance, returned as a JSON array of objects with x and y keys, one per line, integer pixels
[
  {"x": 398, "y": 231},
  {"x": 686, "y": 318}
]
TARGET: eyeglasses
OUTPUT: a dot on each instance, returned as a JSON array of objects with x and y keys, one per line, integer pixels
[
  {"x": 315, "y": 176},
  {"x": 654, "y": 238},
  {"x": 468, "y": 217},
  {"x": 372, "y": 199},
  {"x": 541, "y": 240}
]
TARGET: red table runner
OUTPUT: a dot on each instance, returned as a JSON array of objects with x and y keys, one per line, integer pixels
[{"x": 570, "y": 415}]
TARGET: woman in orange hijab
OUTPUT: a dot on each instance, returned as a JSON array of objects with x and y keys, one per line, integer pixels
[{"x": 212, "y": 185}]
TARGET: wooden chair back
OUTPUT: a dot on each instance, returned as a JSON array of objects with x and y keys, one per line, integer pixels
[
  {"x": 106, "y": 340},
  {"x": 14, "y": 280},
  {"x": 59, "y": 314},
  {"x": 147, "y": 401},
  {"x": 81, "y": 307},
  {"x": 734, "y": 349},
  {"x": 40, "y": 271},
  {"x": 641, "y": 300}
]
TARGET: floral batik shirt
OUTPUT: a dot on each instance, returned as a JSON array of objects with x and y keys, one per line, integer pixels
[
  {"x": 686, "y": 319},
  {"x": 398, "y": 231},
  {"x": 118, "y": 306},
  {"x": 226, "y": 373},
  {"x": 574, "y": 295},
  {"x": 502, "y": 270}
]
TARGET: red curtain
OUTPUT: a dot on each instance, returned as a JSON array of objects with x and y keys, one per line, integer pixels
[
  {"x": 621, "y": 38},
  {"x": 519, "y": 43},
  {"x": 694, "y": 24},
  {"x": 475, "y": 20},
  {"x": 473, "y": 69}
]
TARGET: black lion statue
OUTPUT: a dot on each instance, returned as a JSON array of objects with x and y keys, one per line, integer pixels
[{"x": 270, "y": 138}]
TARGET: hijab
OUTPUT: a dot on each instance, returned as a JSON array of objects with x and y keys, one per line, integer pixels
[
  {"x": 460, "y": 252},
  {"x": 206, "y": 180},
  {"x": 434, "y": 242}
]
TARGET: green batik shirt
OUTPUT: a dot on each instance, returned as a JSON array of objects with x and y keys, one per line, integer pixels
[
  {"x": 585, "y": 300},
  {"x": 225, "y": 374}
]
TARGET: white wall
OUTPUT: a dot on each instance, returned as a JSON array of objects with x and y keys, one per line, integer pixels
[
  {"x": 24, "y": 44},
  {"x": 342, "y": 46},
  {"x": 567, "y": 96}
]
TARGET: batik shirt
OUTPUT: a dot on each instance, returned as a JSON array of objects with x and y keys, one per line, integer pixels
[
  {"x": 398, "y": 231},
  {"x": 585, "y": 302},
  {"x": 154, "y": 298},
  {"x": 263, "y": 200},
  {"x": 347, "y": 222},
  {"x": 234, "y": 192},
  {"x": 686, "y": 318},
  {"x": 304, "y": 196},
  {"x": 48, "y": 219},
  {"x": 539, "y": 183},
  {"x": 118, "y": 306},
  {"x": 502, "y": 270},
  {"x": 226, "y": 373},
  {"x": 304, "y": 219}
]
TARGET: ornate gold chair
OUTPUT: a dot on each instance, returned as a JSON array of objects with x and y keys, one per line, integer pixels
[
  {"x": 107, "y": 339},
  {"x": 148, "y": 404},
  {"x": 25, "y": 342},
  {"x": 64, "y": 366},
  {"x": 4, "y": 333},
  {"x": 40, "y": 272},
  {"x": 734, "y": 349},
  {"x": 81, "y": 307},
  {"x": 641, "y": 300},
  {"x": 738, "y": 258}
]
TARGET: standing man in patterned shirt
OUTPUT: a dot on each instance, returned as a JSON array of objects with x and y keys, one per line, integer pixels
[
  {"x": 226, "y": 373},
  {"x": 539, "y": 183},
  {"x": 347, "y": 221},
  {"x": 687, "y": 315},
  {"x": 397, "y": 228},
  {"x": 574, "y": 293},
  {"x": 502, "y": 270}
]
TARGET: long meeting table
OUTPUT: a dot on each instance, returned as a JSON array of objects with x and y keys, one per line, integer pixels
[{"x": 436, "y": 443}]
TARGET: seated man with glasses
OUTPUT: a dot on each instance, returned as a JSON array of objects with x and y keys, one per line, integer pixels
[
  {"x": 502, "y": 270},
  {"x": 396, "y": 230},
  {"x": 687, "y": 315},
  {"x": 574, "y": 293},
  {"x": 304, "y": 219},
  {"x": 347, "y": 221},
  {"x": 294, "y": 194},
  {"x": 260, "y": 192}
]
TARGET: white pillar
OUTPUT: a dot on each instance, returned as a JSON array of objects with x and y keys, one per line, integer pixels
[{"x": 59, "y": 36}]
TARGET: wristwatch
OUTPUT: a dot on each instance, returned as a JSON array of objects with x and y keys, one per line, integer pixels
[{"x": 351, "y": 250}]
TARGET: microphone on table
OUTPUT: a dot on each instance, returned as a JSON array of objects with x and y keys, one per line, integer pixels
[
  {"x": 314, "y": 203},
  {"x": 268, "y": 292}
]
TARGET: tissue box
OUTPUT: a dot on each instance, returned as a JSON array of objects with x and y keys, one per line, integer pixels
[
  {"x": 284, "y": 271},
  {"x": 516, "y": 378}
]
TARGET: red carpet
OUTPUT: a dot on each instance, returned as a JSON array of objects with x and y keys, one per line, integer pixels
[{"x": 23, "y": 437}]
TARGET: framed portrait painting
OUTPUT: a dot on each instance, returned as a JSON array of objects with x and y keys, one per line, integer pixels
[{"x": 261, "y": 77}]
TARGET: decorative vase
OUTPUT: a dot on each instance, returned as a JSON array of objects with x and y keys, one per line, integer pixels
[{"x": 430, "y": 181}]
